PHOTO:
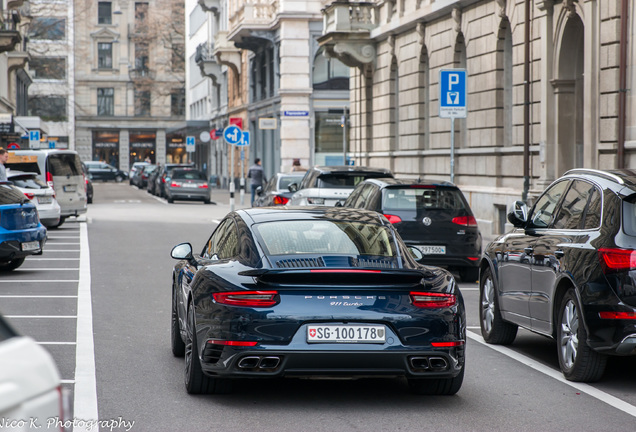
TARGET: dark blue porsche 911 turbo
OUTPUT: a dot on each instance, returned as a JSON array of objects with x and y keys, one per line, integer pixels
[{"x": 314, "y": 292}]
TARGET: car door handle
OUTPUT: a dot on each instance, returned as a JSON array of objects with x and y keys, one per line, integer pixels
[
  {"x": 559, "y": 253},
  {"x": 528, "y": 250}
]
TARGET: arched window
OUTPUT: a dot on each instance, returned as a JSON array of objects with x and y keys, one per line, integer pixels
[{"x": 329, "y": 73}]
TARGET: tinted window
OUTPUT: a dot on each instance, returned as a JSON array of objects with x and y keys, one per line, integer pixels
[
  {"x": 64, "y": 164},
  {"x": 545, "y": 208},
  {"x": 363, "y": 199},
  {"x": 24, "y": 166},
  {"x": 11, "y": 195},
  {"x": 322, "y": 236},
  {"x": 284, "y": 182},
  {"x": 344, "y": 180},
  {"x": 224, "y": 241},
  {"x": 570, "y": 214},
  {"x": 422, "y": 199},
  {"x": 188, "y": 175},
  {"x": 592, "y": 214}
]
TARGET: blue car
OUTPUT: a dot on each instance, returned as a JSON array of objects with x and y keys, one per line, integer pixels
[{"x": 21, "y": 233}]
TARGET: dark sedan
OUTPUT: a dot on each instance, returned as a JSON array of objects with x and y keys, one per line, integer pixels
[
  {"x": 102, "y": 171},
  {"x": 314, "y": 292}
]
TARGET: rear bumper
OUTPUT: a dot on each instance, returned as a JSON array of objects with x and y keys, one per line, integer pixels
[
  {"x": 11, "y": 249},
  {"x": 188, "y": 194}
]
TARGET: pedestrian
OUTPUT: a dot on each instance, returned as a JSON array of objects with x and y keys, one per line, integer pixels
[
  {"x": 257, "y": 177},
  {"x": 297, "y": 167},
  {"x": 147, "y": 160},
  {"x": 4, "y": 157}
]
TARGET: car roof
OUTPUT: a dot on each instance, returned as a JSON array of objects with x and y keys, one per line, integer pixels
[
  {"x": 621, "y": 181},
  {"x": 352, "y": 169},
  {"x": 279, "y": 213},
  {"x": 393, "y": 182}
]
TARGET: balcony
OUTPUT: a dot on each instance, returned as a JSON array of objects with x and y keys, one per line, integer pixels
[
  {"x": 346, "y": 32},
  {"x": 17, "y": 60},
  {"x": 249, "y": 16},
  {"x": 207, "y": 62},
  {"x": 9, "y": 32},
  {"x": 141, "y": 74},
  {"x": 210, "y": 6},
  {"x": 226, "y": 52}
]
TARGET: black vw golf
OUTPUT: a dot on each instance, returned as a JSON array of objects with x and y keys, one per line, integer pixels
[{"x": 314, "y": 292}]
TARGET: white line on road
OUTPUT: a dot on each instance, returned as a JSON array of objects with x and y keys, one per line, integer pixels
[
  {"x": 61, "y": 250},
  {"x": 557, "y": 375},
  {"x": 36, "y": 281},
  {"x": 65, "y": 244},
  {"x": 56, "y": 343},
  {"x": 53, "y": 259},
  {"x": 39, "y": 296},
  {"x": 67, "y": 381},
  {"x": 47, "y": 269},
  {"x": 62, "y": 237},
  {"x": 41, "y": 316},
  {"x": 85, "y": 399}
]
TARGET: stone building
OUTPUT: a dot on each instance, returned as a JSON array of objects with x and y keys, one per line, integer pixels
[
  {"x": 547, "y": 90},
  {"x": 129, "y": 81}
]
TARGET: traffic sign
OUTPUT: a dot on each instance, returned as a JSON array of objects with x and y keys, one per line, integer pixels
[
  {"x": 190, "y": 144},
  {"x": 452, "y": 93},
  {"x": 233, "y": 135},
  {"x": 246, "y": 139},
  {"x": 34, "y": 139},
  {"x": 51, "y": 144}
]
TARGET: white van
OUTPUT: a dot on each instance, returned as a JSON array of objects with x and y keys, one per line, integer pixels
[{"x": 61, "y": 170}]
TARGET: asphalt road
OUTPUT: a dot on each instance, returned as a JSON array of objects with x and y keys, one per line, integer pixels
[{"x": 112, "y": 273}]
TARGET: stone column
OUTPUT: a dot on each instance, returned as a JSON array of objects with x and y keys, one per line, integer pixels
[
  {"x": 591, "y": 67},
  {"x": 160, "y": 146},
  {"x": 124, "y": 150}
]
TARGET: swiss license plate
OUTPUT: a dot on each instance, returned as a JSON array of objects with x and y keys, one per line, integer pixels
[
  {"x": 346, "y": 333},
  {"x": 70, "y": 188},
  {"x": 433, "y": 250},
  {"x": 30, "y": 246},
  {"x": 190, "y": 185},
  {"x": 45, "y": 200}
]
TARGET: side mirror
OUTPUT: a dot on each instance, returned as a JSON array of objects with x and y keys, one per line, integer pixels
[
  {"x": 416, "y": 253},
  {"x": 518, "y": 214},
  {"x": 293, "y": 187},
  {"x": 259, "y": 190},
  {"x": 182, "y": 251}
]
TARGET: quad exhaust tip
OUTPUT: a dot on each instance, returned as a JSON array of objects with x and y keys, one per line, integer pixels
[
  {"x": 259, "y": 363},
  {"x": 429, "y": 363}
]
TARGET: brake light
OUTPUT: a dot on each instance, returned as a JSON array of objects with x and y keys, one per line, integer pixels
[
  {"x": 422, "y": 186},
  {"x": 447, "y": 344},
  {"x": 345, "y": 271},
  {"x": 247, "y": 298},
  {"x": 433, "y": 299},
  {"x": 617, "y": 315},
  {"x": 280, "y": 200},
  {"x": 393, "y": 218},
  {"x": 49, "y": 179},
  {"x": 465, "y": 221},
  {"x": 232, "y": 343},
  {"x": 29, "y": 195},
  {"x": 203, "y": 186},
  {"x": 617, "y": 259},
  {"x": 175, "y": 184}
]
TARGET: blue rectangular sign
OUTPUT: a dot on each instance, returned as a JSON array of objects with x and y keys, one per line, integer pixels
[
  {"x": 246, "y": 139},
  {"x": 296, "y": 113},
  {"x": 452, "y": 93}
]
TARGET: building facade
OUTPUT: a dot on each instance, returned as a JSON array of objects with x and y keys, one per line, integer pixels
[
  {"x": 547, "y": 90},
  {"x": 129, "y": 81}
]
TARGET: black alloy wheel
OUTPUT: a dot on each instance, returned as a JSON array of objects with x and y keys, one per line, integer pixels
[
  {"x": 196, "y": 381},
  {"x": 578, "y": 361},
  {"x": 11, "y": 264},
  {"x": 437, "y": 386},
  {"x": 493, "y": 328},
  {"x": 176, "y": 343}
]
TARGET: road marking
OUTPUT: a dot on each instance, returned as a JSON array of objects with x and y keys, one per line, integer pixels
[
  {"x": 66, "y": 244},
  {"x": 468, "y": 289},
  {"x": 36, "y": 281},
  {"x": 62, "y": 237},
  {"x": 61, "y": 250},
  {"x": 39, "y": 296},
  {"x": 53, "y": 259},
  {"x": 23, "y": 269},
  {"x": 67, "y": 381},
  {"x": 85, "y": 394},
  {"x": 56, "y": 343},
  {"x": 557, "y": 375},
  {"x": 41, "y": 316}
]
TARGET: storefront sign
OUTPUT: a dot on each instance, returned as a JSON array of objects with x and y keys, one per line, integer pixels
[
  {"x": 267, "y": 123},
  {"x": 6, "y": 124}
]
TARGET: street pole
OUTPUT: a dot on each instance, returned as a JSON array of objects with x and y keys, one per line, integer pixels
[
  {"x": 344, "y": 136},
  {"x": 232, "y": 186},
  {"x": 452, "y": 151},
  {"x": 242, "y": 192}
]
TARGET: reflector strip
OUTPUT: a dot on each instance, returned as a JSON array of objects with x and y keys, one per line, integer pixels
[
  {"x": 345, "y": 271},
  {"x": 447, "y": 344},
  {"x": 232, "y": 343}
]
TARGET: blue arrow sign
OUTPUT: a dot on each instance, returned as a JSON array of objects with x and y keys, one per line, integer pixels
[
  {"x": 233, "y": 135},
  {"x": 246, "y": 139},
  {"x": 452, "y": 93}
]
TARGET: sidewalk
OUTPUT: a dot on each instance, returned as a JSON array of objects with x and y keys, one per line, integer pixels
[{"x": 221, "y": 197}]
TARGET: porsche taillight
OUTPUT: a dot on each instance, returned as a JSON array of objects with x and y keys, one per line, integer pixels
[
  {"x": 429, "y": 300},
  {"x": 247, "y": 298}
]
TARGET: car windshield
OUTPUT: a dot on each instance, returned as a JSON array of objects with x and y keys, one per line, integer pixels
[
  {"x": 344, "y": 180},
  {"x": 325, "y": 237},
  {"x": 64, "y": 165},
  {"x": 422, "y": 199},
  {"x": 187, "y": 175}
]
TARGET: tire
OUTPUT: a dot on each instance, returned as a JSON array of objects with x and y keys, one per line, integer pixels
[
  {"x": 206, "y": 201},
  {"x": 59, "y": 224},
  {"x": 578, "y": 361},
  {"x": 437, "y": 386},
  {"x": 11, "y": 264},
  {"x": 176, "y": 343},
  {"x": 196, "y": 381},
  {"x": 170, "y": 200},
  {"x": 493, "y": 327},
  {"x": 469, "y": 274},
  {"x": 119, "y": 179}
]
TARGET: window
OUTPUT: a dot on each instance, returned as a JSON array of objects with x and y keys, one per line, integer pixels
[
  {"x": 105, "y": 55},
  {"x": 545, "y": 207},
  {"x": 49, "y": 108},
  {"x": 178, "y": 57},
  {"x": 329, "y": 73},
  {"x": 224, "y": 241},
  {"x": 142, "y": 102},
  {"x": 48, "y": 67},
  {"x": 47, "y": 28},
  {"x": 575, "y": 202},
  {"x": 141, "y": 57},
  {"x": 104, "y": 13},
  {"x": 177, "y": 102},
  {"x": 105, "y": 101}
]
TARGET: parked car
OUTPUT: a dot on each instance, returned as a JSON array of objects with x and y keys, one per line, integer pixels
[
  {"x": 431, "y": 216},
  {"x": 133, "y": 170},
  {"x": 566, "y": 271},
  {"x": 30, "y": 384},
  {"x": 163, "y": 176},
  {"x": 61, "y": 170},
  {"x": 276, "y": 191},
  {"x": 89, "y": 185},
  {"x": 40, "y": 194},
  {"x": 187, "y": 184},
  {"x": 21, "y": 233},
  {"x": 103, "y": 171},
  {"x": 316, "y": 292},
  {"x": 144, "y": 175},
  {"x": 329, "y": 185}
]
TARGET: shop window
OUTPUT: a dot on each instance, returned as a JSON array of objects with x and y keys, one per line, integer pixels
[{"x": 106, "y": 147}]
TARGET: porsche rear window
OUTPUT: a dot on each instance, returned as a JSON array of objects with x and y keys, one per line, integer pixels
[
  {"x": 422, "y": 199},
  {"x": 325, "y": 237}
]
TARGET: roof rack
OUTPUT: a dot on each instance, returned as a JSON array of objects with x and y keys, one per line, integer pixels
[{"x": 598, "y": 173}]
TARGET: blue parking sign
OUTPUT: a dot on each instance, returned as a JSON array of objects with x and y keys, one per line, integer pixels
[{"x": 452, "y": 93}]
